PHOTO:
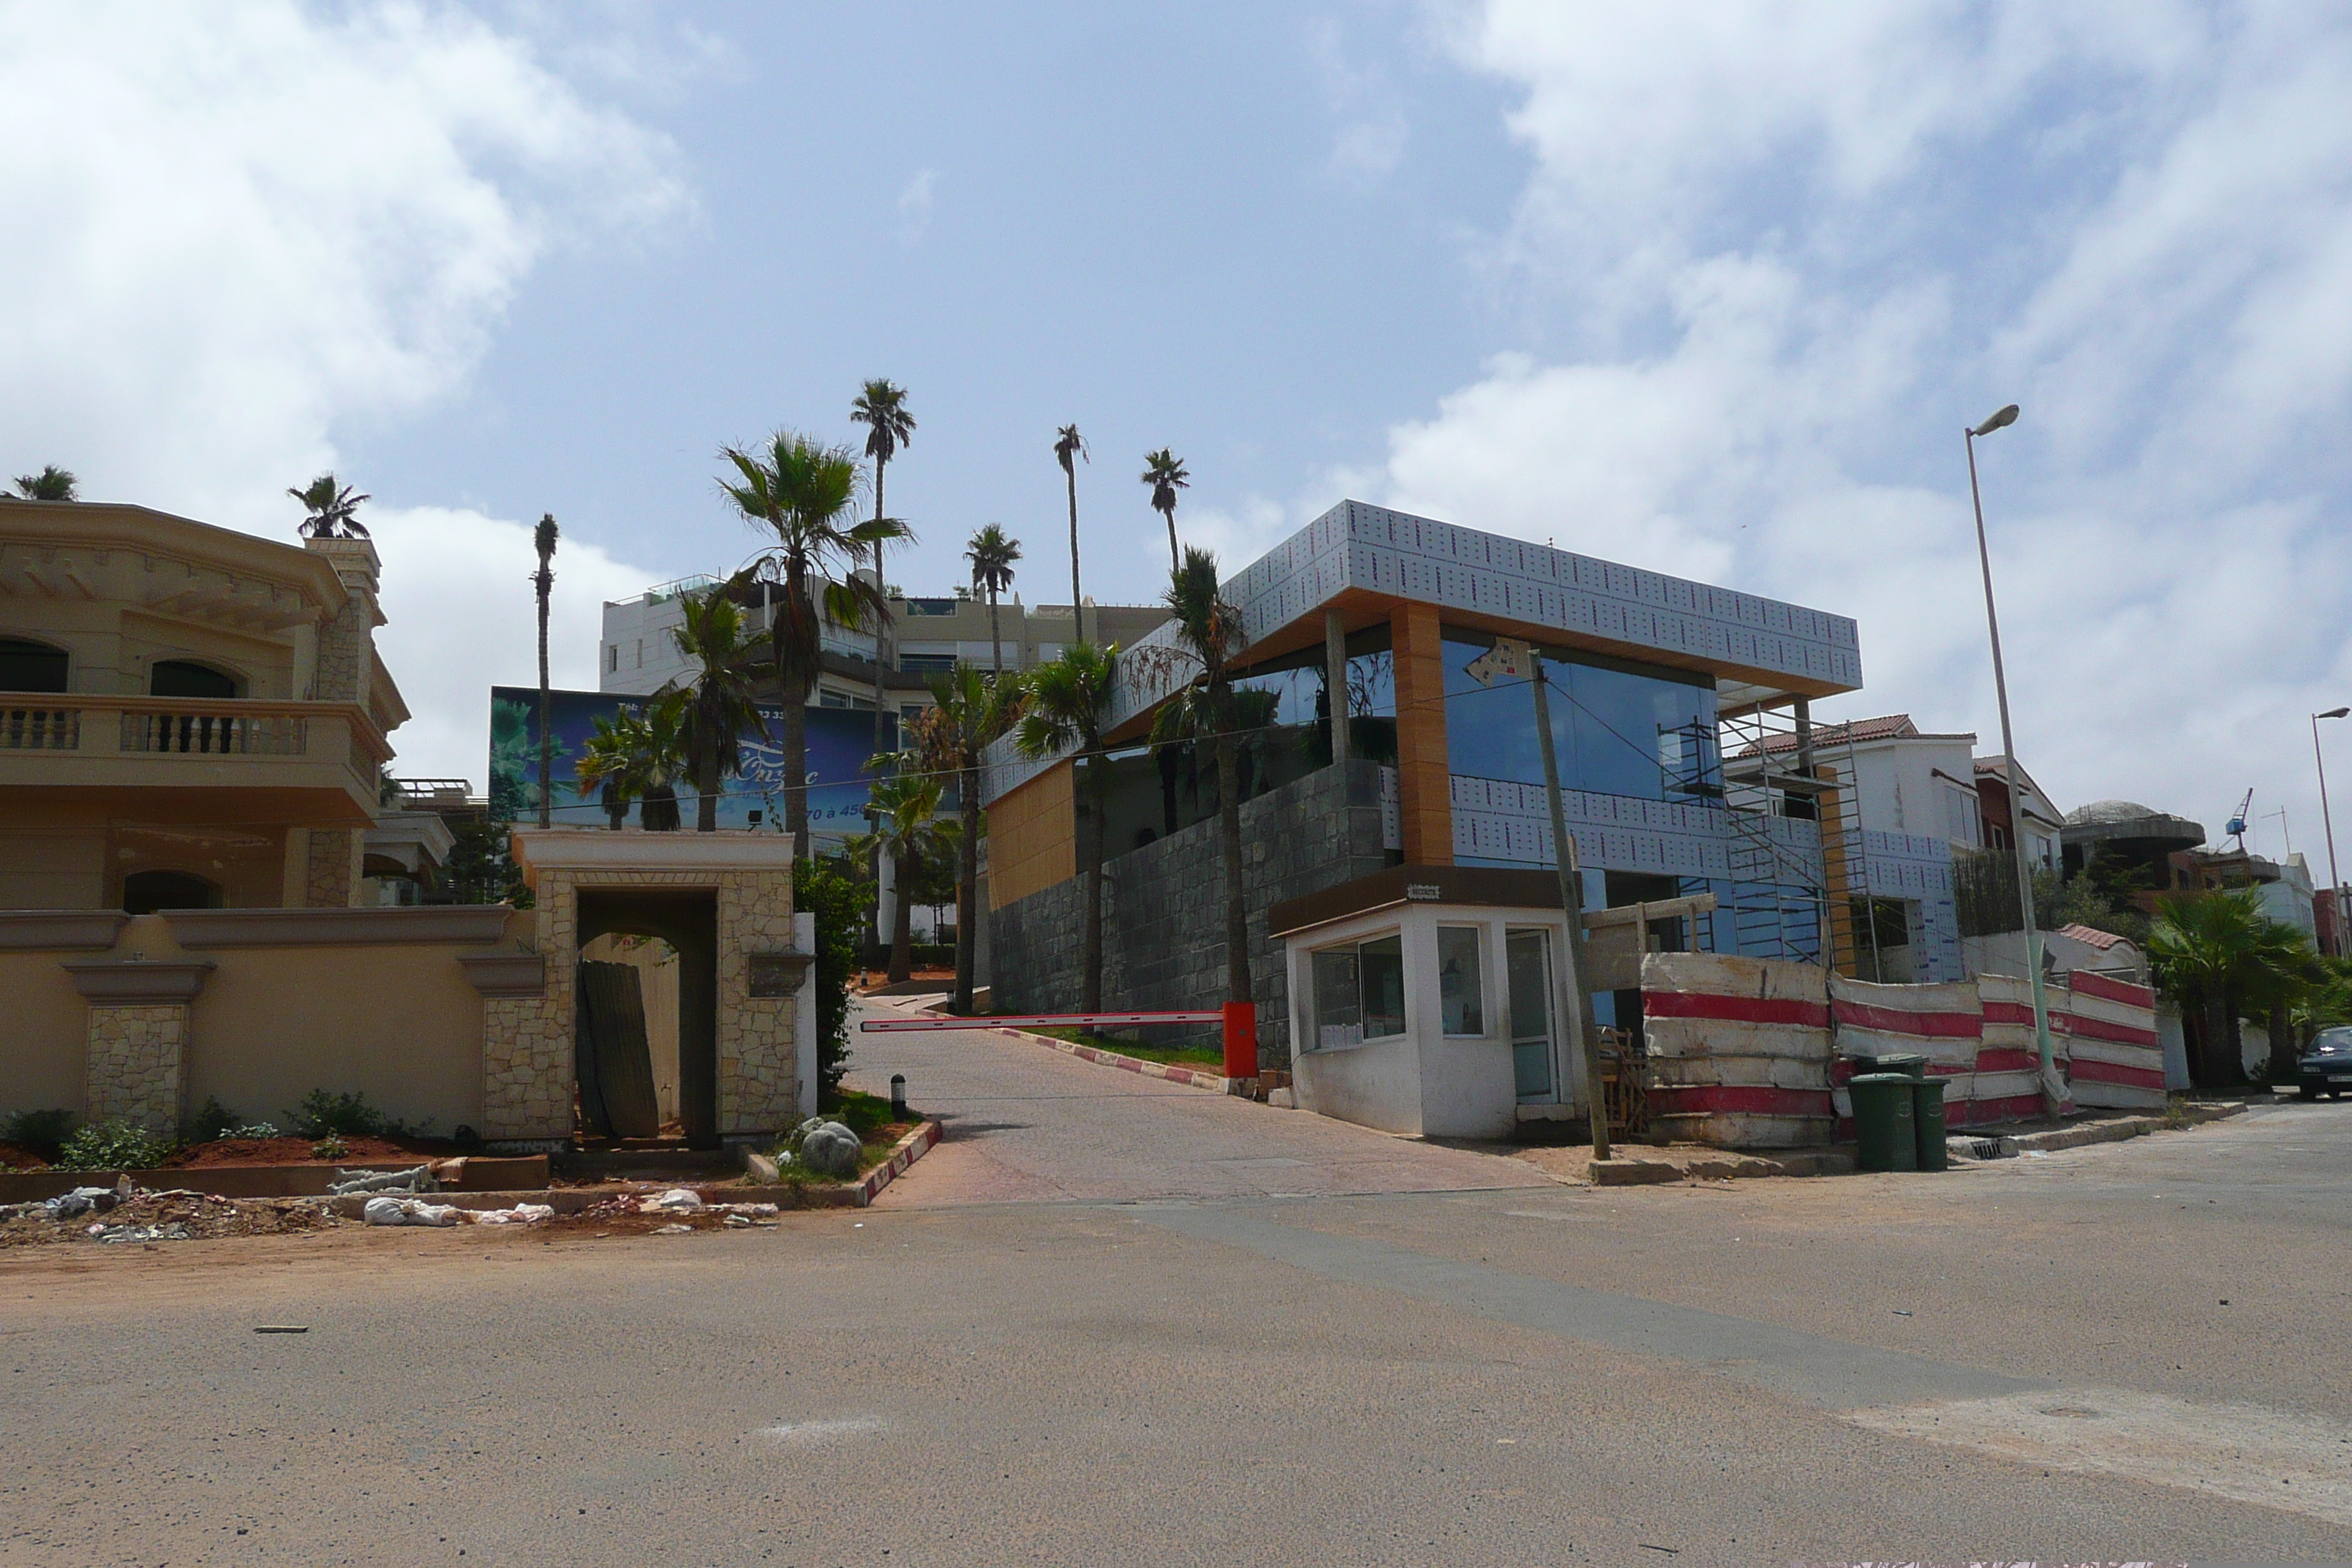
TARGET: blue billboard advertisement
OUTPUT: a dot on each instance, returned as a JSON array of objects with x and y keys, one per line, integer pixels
[{"x": 840, "y": 740}]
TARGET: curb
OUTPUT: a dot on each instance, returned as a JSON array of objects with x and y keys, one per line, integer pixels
[
  {"x": 1630, "y": 1173},
  {"x": 1190, "y": 1078},
  {"x": 904, "y": 1152},
  {"x": 2122, "y": 1129}
]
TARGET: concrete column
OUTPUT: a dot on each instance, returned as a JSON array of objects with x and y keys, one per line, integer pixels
[{"x": 1424, "y": 777}]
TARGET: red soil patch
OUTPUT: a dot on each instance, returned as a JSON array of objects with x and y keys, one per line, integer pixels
[
  {"x": 290, "y": 1151},
  {"x": 16, "y": 1157}
]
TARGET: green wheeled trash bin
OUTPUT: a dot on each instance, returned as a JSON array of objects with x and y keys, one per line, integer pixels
[
  {"x": 1883, "y": 1125},
  {"x": 1927, "y": 1123}
]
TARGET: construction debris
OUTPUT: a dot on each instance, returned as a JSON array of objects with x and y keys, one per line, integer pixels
[
  {"x": 389, "y": 1210},
  {"x": 131, "y": 1214},
  {"x": 418, "y": 1180}
]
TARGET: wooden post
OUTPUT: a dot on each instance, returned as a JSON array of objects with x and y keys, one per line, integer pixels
[
  {"x": 1424, "y": 777},
  {"x": 1571, "y": 899}
]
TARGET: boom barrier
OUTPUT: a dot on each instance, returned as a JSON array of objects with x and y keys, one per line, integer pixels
[{"x": 1239, "y": 1018}]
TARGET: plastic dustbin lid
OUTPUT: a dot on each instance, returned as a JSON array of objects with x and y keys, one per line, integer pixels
[{"x": 1902, "y": 1064}]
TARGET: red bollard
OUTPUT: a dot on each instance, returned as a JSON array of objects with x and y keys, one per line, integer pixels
[{"x": 1241, "y": 1039}]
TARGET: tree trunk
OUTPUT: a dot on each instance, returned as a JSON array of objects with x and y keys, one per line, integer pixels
[
  {"x": 2214, "y": 1048},
  {"x": 796, "y": 771},
  {"x": 995, "y": 641},
  {"x": 882, "y": 730},
  {"x": 1077, "y": 600},
  {"x": 1173, "y": 564},
  {"x": 2283, "y": 1051},
  {"x": 658, "y": 813},
  {"x": 1229, "y": 818},
  {"x": 1091, "y": 939},
  {"x": 967, "y": 915},
  {"x": 616, "y": 810},
  {"x": 706, "y": 779},
  {"x": 902, "y": 924}
]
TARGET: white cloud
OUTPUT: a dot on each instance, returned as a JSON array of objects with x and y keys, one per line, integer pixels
[
  {"x": 460, "y": 616},
  {"x": 914, "y": 206},
  {"x": 1790, "y": 250},
  {"x": 236, "y": 227},
  {"x": 1371, "y": 131}
]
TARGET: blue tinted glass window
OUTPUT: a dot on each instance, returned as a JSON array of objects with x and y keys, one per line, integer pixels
[{"x": 1617, "y": 728}]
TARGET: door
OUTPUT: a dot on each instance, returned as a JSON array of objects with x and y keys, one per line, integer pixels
[{"x": 1529, "y": 962}]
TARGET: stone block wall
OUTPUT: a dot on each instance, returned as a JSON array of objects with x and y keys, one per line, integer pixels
[
  {"x": 1164, "y": 911},
  {"x": 757, "y": 1079},
  {"x": 527, "y": 1079},
  {"x": 332, "y": 865},
  {"x": 133, "y": 1068}
]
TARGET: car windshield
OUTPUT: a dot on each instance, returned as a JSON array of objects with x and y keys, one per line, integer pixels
[{"x": 2330, "y": 1041}]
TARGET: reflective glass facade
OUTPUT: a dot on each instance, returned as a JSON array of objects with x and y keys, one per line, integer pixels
[{"x": 1617, "y": 728}]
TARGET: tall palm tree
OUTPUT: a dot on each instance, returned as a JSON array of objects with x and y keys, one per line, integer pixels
[
  {"x": 1164, "y": 471},
  {"x": 542, "y": 539},
  {"x": 1069, "y": 703},
  {"x": 881, "y": 407},
  {"x": 2218, "y": 956},
  {"x": 721, "y": 703},
  {"x": 968, "y": 716},
  {"x": 331, "y": 508},
  {"x": 1208, "y": 631},
  {"x": 805, "y": 493},
  {"x": 636, "y": 756},
  {"x": 1068, "y": 448},
  {"x": 906, "y": 803},
  {"x": 991, "y": 553},
  {"x": 52, "y": 483}
]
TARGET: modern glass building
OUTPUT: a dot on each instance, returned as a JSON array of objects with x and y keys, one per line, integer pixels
[{"x": 1437, "y": 769}]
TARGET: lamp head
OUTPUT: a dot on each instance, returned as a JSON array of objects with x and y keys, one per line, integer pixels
[
  {"x": 2005, "y": 416},
  {"x": 2333, "y": 713}
]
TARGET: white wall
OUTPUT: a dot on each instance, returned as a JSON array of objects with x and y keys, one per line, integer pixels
[{"x": 1899, "y": 789}]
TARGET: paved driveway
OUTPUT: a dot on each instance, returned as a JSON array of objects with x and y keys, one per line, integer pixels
[{"x": 1025, "y": 1123}]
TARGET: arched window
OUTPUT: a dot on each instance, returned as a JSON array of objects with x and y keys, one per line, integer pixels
[
  {"x": 186, "y": 677},
  {"x": 144, "y": 893},
  {"x": 31, "y": 666}
]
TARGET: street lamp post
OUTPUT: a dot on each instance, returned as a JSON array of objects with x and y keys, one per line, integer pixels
[
  {"x": 2050, "y": 1097},
  {"x": 2335, "y": 883}
]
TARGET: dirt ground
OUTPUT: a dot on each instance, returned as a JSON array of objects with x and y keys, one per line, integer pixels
[{"x": 150, "y": 1218}]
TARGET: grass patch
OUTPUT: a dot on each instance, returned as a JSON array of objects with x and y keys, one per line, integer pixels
[
  {"x": 868, "y": 1116},
  {"x": 1200, "y": 1055}
]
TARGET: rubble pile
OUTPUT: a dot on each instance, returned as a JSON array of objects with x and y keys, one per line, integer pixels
[{"x": 134, "y": 1214}]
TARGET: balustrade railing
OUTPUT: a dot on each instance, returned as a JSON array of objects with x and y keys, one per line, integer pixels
[
  {"x": 218, "y": 734},
  {"x": 39, "y": 728}
]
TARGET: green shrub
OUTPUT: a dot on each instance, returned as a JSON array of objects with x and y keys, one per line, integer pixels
[
  {"x": 348, "y": 1115},
  {"x": 827, "y": 889},
  {"x": 115, "y": 1144},
  {"x": 42, "y": 1132}
]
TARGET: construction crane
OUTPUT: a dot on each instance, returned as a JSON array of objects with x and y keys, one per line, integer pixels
[{"x": 2236, "y": 826}]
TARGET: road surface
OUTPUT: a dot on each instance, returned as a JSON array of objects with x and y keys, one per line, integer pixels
[{"x": 2028, "y": 1359}]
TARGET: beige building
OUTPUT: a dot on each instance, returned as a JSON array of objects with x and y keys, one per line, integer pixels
[{"x": 192, "y": 717}]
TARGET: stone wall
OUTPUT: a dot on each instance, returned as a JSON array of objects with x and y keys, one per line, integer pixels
[
  {"x": 757, "y": 1085},
  {"x": 1164, "y": 909},
  {"x": 332, "y": 865},
  {"x": 527, "y": 1067},
  {"x": 134, "y": 1066}
]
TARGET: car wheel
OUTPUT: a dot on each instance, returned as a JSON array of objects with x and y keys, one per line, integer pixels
[{"x": 2306, "y": 1092}]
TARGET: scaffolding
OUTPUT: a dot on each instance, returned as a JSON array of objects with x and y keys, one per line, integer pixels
[{"x": 1777, "y": 764}]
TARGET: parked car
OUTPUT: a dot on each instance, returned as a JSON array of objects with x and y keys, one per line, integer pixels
[{"x": 2326, "y": 1067}]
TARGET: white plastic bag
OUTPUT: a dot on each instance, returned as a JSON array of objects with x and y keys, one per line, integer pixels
[
  {"x": 678, "y": 1200},
  {"x": 522, "y": 1214}
]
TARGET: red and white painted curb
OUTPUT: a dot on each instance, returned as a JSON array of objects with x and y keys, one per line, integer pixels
[
  {"x": 1190, "y": 1078},
  {"x": 909, "y": 1150}
]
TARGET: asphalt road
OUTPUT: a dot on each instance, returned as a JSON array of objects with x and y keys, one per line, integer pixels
[{"x": 2031, "y": 1358}]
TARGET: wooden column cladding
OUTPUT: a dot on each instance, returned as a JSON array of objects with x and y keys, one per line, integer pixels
[{"x": 1424, "y": 786}]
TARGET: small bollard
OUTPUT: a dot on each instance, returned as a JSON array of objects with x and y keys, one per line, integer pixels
[{"x": 898, "y": 1097}]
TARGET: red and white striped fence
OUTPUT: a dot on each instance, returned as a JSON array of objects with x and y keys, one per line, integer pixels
[{"x": 1738, "y": 1049}]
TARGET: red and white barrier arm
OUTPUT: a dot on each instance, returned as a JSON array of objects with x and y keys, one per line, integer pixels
[{"x": 1034, "y": 1020}]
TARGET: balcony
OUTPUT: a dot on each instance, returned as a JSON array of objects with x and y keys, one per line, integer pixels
[{"x": 168, "y": 759}]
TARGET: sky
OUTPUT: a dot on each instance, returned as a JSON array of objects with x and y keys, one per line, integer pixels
[{"x": 1708, "y": 288}]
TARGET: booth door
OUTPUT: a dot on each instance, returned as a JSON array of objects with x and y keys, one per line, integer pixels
[{"x": 1529, "y": 959}]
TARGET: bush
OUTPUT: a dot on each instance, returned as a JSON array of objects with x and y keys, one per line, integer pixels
[
  {"x": 115, "y": 1144},
  {"x": 839, "y": 900},
  {"x": 349, "y": 1115},
  {"x": 42, "y": 1132}
]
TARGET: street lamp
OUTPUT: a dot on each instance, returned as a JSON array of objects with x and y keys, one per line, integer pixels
[
  {"x": 2335, "y": 885},
  {"x": 2050, "y": 1096}
]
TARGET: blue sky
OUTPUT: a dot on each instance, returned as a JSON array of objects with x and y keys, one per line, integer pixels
[{"x": 1710, "y": 287}]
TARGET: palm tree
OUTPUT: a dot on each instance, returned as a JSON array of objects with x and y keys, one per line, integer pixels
[
  {"x": 1164, "y": 471},
  {"x": 2217, "y": 955},
  {"x": 636, "y": 757},
  {"x": 542, "y": 539},
  {"x": 1068, "y": 447},
  {"x": 1208, "y": 630},
  {"x": 881, "y": 407},
  {"x": 969, "y": 715},
  {"x": 1069, "y": 703},
  {"x": 806, "y": 494},
  {"x": 721, "y": 705},
  {"x": 991, "y": 554},
  {"x": 52, "y": 483},
  {"x": 332, "y": 510},
  {"x": 905, "y": 803}
]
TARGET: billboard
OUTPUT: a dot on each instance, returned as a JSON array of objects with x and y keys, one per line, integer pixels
[{"x": 840, "y": 740}]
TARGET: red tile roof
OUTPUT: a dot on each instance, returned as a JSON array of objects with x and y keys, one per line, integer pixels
[{"x": 2092, "y": 935}]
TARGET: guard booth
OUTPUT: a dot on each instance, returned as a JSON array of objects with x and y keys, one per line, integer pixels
[{"x": 1440, "y": 1000}]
